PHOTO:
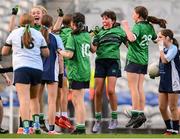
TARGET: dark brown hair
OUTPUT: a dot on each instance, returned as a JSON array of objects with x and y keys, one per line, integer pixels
[
  {"x": 26, "y": 21},
  {"x": 109, "y": 14},
  {"x": 79, "y": 20},
  {"x": 143, "y": 12},
  {"x": 46, "y": 22},
  {"x": 170, "y": 34}
]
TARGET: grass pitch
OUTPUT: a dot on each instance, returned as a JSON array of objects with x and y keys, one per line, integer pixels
[{"x": 107, "y": 136}]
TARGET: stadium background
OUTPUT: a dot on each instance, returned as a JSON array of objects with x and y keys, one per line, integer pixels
[{"x": 170, "y": 10}]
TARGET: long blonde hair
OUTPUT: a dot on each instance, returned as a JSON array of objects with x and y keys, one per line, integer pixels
[{"x": 26, "y": 21}]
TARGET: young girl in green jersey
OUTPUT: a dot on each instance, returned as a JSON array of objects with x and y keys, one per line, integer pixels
[
  {"x": 137, "y": 59},
  {"x": 62, "y": 99},
  {"x": 78, "y": 69},
  {"x": 107, "y": 65}
]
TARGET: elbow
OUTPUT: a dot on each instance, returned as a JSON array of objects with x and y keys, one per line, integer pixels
[
  {"x": 69, "y": 56},
  {"x": 4, "y": 52},
  {"x": 131, "y": 38},
  {"x": 165, "y": 61},
  {"x": 93, "y": 48},
  {"x": 46, "y": 53},
  {"x": 92, "y": 51}
]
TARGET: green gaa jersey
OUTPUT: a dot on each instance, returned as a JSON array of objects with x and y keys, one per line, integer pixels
[
  {"x": 138, "y": 50},
  {"x": 78, "y": 68},
  {"x": 108, "y": 42},
  {"x": 64, "y": 33}
]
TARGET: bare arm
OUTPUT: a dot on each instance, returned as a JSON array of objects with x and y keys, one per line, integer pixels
[
  {"x": 58, "y": 24},
  {"x": 5, "y": 50},
  {"x": 12, "y": 23},
  {"x": 131, "y": 37},
  {"x": 8, "y": 81},
  {"x": 66, "y": 53},
  {"x": 61, "y": 64},
  {"x": 93, "y": 48},
  {"x": 45, "y": 51},
  {"x": 162, "y": 54},
  {"x": 59, "y": 20}
]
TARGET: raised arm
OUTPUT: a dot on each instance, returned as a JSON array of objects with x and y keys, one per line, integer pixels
[
  {"x": 59, "y": 20},
  {"x": 130, "y": 36},
  {"x": 12, "y": 22}
]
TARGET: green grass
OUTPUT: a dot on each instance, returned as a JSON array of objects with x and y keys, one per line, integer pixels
[{"x": 90, "y": 136}]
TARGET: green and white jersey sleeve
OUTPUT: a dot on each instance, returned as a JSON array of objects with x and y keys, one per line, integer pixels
[
  {"x": 108, "y": 42},
  {"x": 138, "y": 50},
  {"x": 78, "y": 68}
]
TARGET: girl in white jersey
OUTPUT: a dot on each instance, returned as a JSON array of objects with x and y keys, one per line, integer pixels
[
  {"x": 27, "y": 45},
  {"x": 37, "y": 12}
]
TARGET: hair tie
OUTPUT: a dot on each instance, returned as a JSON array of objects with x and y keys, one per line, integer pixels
[
  {"x": 45, "y": 27},
  {"x": 27, "y": 28}
]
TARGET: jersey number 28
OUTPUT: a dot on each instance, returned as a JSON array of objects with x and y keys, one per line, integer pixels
[{"x": 145, "y": 40}]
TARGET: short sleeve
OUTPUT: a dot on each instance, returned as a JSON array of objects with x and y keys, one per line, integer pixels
[
  {"x": 43, "y": 42},
  {"x": 59, "y": 42},
  {"x": 70, "y": 45},
  {"x": 136, "y": 30},
  {"x": 9, "y": 39},
  {"x": 171, "y": 53}
]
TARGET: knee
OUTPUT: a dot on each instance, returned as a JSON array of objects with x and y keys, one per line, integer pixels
[
  {"x": 98, "y": 93},
  {"x": 162, "y": 108},
  {"x": 111, "y": 92},
  {"x": 173, "y": 109}
]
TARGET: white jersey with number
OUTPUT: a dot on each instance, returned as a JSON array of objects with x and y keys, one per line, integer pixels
[{"x": 23, "y": 57}]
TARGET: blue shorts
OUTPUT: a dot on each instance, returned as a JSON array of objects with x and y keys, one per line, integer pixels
[
  {"x": 135, "y": 68},
  {"x": 107, "y": 67},
  {"x": 65, "y": 73},
  {"x": 27, "y": 75},
  {"x": 78, "y": 85},
  {"x": 47, "y": 82}
]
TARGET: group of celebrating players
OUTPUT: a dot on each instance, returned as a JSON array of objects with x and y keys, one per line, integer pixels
[{"x": 52, "y": 54}]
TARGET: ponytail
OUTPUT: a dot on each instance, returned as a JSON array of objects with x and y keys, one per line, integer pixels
[
  {"x": 175, "y": 42},
  {"x": 143, "y": 12},
  {"x": 79, "y": 20},
  {"x": 80, "y": 28},
  {"x": 45, "y": 33},
  {"x": 161, "y": 22},
  {"x": 169, "y": 33},
  {"x": 27, "y": 38},
  {"x": 46, "y": 23}
]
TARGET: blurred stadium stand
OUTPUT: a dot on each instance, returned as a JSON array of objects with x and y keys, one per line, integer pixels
[{"x": 170, "y": 10}]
